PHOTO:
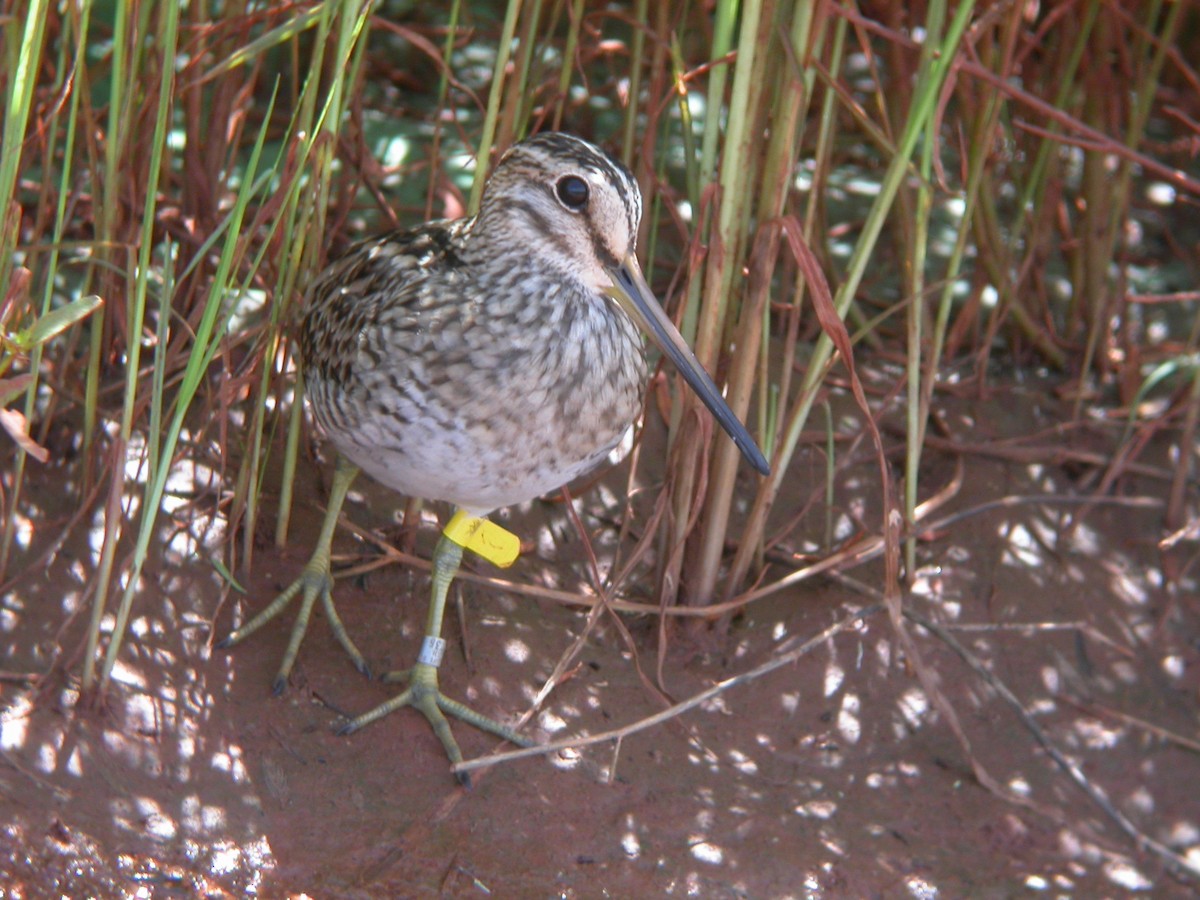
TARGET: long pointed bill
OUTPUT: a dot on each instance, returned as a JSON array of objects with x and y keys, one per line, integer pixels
[{"x": 631, "y": 291}]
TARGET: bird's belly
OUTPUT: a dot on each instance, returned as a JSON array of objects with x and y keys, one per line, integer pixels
[
  {"x": 482, "y": 458},
  {"x": 478, "y": 479}
]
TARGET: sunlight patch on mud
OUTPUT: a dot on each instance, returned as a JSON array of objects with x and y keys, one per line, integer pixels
[
  {"x": 1086, "y": 541},
  {"x": 703, "y": 757},
  {"x": 566, "y": 759},
  {"x": 1021, "y": 548},
  {"x": 551, "y": 722},
  {"x": 1124, "y": 670},
  {"x": 142, "y": 745},
  {"x": 1127, "y": 876},
  {"x": 883, "y": 650},
  {"x": 186, "y": 480},
  {"x": 834, "y": 676},
  {"x": 920, "y": 889},
  {"x": 123, "y": 673},
  {"x": 47, "y": 758},
  {"x": 491, "y": 687},
  {"x": 705, "y": 851},
  {"x": 1141, "y": 800},
  {"x": 516, "y": 650},
  {"x": 201, "y": 818},
  {"x": 228, "y": 857},
  {"x": 630, "y": 845},
  {"x": 1096, "y": 735},
  {"x": 22, "y": 530},
  {"x": 817, "y": 809},
  {"x": 1127, "y": 582},
  {"x": 848, "y": 724},
  {"x": 913, "y": 706},
  {"x": 567, "y": 710},
  {"x": 717, "y": 704},
  {"x": 742, "y": 762},
  {"x": 744, "y": 646},
  {"x": 1050, "y": 679},
  {"x": 1186, "y": 834},
  {"x": 74, "y": 766},
  {"x": 844, "y": 528},
  {"x": 547, "y": 546},
  {"x": 151, "y": 817},
  {"x": 892, "y": 776},
  {"x": 927, "y": 581},
  {"x": 231, "y": 762}
]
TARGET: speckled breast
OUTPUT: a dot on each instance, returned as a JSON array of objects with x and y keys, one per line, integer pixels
[{"x": 475, "y": 402}]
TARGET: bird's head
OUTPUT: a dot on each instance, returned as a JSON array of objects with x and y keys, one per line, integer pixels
[
  {"x": 574, "y": 209},
  {"x": 565, "y": 202}
]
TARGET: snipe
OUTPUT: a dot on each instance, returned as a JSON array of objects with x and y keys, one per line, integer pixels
[{"x": 483, "y": 362}]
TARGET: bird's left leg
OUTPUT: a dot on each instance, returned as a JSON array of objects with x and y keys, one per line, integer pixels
[{"x": 315, "y": 581}]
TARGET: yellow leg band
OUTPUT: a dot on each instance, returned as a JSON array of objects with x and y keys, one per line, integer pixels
[{"x": 485, "y": 538}]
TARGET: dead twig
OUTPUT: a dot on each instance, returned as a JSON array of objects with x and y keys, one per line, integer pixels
[
  {"x": 843, "y": 624},
  {"x": 1095, "y": 709},
  {"x": 1178, "y": 865},
  {"x": 850, "y": 556}
]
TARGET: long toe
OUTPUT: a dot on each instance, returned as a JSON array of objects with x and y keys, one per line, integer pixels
[
  {"x": 313, "y": 584},
  {"x": 424, "y": 695}
]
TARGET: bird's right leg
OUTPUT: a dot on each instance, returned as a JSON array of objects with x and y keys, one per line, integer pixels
[
  {"x": 315, "y": 581},
  {"x": 423, "y": 692}
]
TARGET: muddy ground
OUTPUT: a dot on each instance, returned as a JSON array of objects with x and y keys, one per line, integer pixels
[{"x": 831, "y": 776}]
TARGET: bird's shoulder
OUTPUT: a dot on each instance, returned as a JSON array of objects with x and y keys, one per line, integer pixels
[
  {"x": 392, "y": 287},
  {"x": 396, "y": 264}
]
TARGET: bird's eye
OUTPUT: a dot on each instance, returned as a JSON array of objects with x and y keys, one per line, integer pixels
[{"x": 572, "y": 191}]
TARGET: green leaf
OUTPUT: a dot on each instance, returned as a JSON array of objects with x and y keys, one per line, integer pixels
[{"x": 56, "y": 321}]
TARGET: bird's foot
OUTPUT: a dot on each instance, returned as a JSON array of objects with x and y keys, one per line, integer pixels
[
  {"x": 424, "y": 695},
  {"x": 315, "y": 582}
]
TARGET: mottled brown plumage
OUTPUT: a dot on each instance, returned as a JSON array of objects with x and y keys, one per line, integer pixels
[
  {"x": 483, "y": 362},
  {"x": 478, "y": 361}
]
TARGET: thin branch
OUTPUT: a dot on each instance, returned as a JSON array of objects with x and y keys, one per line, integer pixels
[{"x": 843, "y": 624}]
